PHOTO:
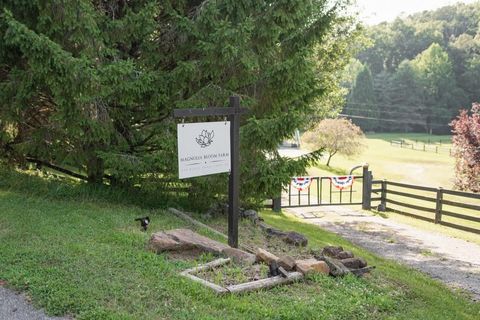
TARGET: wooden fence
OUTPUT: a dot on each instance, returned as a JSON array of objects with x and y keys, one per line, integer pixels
[
  {"x": 455, "y": 209},
  {"x": 425, "y": 147}
]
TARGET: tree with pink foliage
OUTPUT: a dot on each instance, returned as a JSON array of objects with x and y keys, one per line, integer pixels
[{"x": 466, "y": 149}]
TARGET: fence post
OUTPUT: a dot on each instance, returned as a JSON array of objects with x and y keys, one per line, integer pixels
[
  {"x": 383, "y": 200},
  {"x": 367, "y": 188},
  {"x": 438, "y": 207}
]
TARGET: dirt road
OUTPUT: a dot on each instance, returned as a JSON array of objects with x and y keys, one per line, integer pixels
[{"x": 454, "y": 261}]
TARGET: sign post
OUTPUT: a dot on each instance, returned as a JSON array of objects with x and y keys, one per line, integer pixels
[
  {"x": 234, "y": 181},
  {"x": 233, "y": 112}
]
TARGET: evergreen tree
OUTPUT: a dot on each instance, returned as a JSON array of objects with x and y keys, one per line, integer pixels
[
  {"x": 406, "y": 99},
  {"x": 91, "y": 85},
  {"x": 382, "y": 88},
  {"x": 436, "y": 78},
  {"x": 361, "y": 103}
]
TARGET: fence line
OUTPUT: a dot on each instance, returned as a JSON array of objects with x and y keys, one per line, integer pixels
[
  {"x": 435, "y": 213},
  {"x": 425, "y": 147}
]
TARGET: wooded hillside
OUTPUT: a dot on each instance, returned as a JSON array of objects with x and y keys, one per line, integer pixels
[{"x": 417, "y": 72}]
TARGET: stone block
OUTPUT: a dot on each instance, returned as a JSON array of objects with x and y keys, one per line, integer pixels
[{"x": 312, "y": 266}]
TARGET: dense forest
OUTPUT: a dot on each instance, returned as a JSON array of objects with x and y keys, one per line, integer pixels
[{"x": 417, "y": 72}]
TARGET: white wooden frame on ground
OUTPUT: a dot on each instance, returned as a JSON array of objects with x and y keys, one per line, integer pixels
[{"x": 242, "y": 287}]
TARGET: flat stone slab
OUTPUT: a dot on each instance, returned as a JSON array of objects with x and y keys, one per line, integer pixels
[{"x": 184, "y": 239}]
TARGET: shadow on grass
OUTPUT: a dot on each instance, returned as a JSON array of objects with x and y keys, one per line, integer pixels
[
  {"x": 63, "y": 188},
  {"x": 334, "y": 170}
]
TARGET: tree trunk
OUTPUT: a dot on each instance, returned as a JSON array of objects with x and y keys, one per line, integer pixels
[
  {"x": 330, "y": 158},
  {"x": 95, "y": 170}
]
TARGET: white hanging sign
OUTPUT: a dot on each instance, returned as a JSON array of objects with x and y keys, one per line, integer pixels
[{"x": 203, "y": 148}]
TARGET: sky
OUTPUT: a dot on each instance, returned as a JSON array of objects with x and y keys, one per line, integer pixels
[{"x": 376, "y": 11}]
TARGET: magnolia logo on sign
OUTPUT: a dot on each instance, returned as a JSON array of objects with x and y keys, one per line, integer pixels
[
  {"x": 203, "y": 148},
  {"x": 205, "y": 138}
]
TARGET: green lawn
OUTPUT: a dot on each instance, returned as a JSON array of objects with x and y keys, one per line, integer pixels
[
  {"x": 399, "y": 164},
  {"x": 78, "y": 252}
]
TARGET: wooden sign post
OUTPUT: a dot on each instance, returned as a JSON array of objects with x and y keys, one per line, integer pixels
[{"x": 233, "y": 112}]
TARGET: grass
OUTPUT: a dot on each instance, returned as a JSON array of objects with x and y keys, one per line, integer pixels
[
  {"x": 81, "y": 255},
  {"x": 396, "y": 164}
]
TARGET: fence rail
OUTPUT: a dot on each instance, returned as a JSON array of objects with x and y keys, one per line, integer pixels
[
  {"x": 449, "y": 208},
  {"x": 425, "y": 147}
]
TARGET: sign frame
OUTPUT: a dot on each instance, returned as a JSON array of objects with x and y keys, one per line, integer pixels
[{"x": 203, "y": 148}]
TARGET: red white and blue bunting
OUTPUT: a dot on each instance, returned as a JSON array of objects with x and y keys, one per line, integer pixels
[
  {"x": 301, "y": 183},
  {"x": 342, "y": 182}
]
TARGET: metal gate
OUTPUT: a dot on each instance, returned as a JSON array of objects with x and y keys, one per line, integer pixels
[{"x": 322, "y": 192}]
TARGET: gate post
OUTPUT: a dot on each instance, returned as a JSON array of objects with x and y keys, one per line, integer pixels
[{"x": 367, "y": 188}]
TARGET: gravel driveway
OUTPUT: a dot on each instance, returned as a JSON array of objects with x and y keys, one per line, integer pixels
[
  {"x": 14, "y": 306},
  {"x": 454, "y": 261}
]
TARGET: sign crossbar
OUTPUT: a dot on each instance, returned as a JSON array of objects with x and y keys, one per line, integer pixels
[{"x": 213, "y": 111}]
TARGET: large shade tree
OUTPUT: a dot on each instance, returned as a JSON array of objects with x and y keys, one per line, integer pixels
[
  {"x": 336, "y": 136},
  {"x": 89, "y": 86}
]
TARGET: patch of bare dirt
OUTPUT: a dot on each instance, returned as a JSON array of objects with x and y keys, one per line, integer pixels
[{"x": 234, "y": 274}]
